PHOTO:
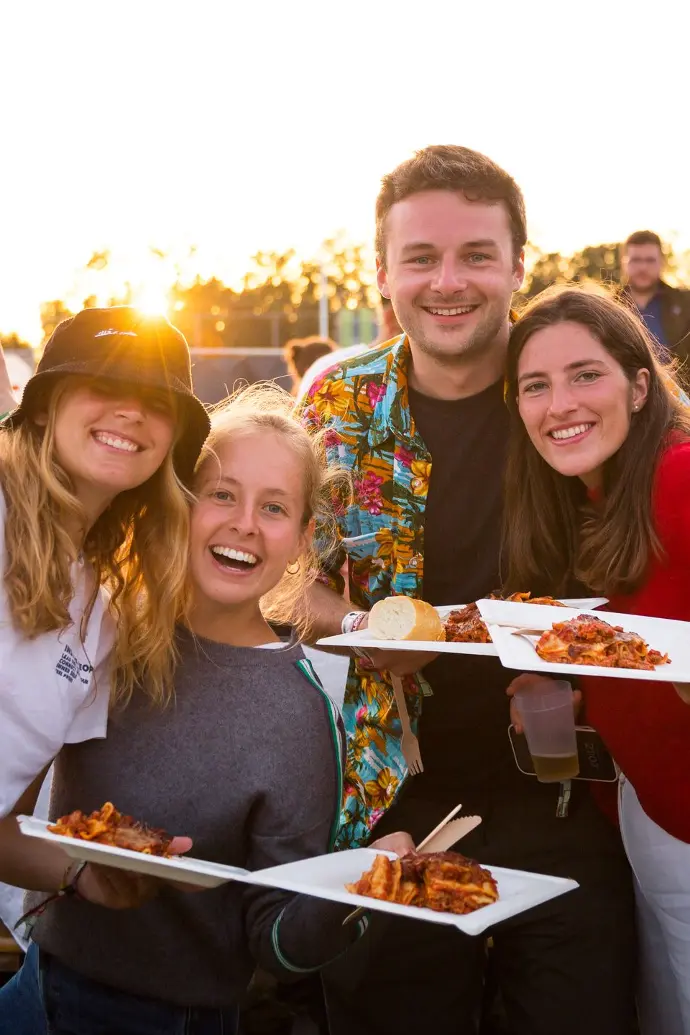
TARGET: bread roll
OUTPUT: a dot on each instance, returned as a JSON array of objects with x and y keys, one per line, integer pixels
[{"x": 402, "y": 618}]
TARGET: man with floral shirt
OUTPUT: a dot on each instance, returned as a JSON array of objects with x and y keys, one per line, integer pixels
[{"x": 421, "y": 425}]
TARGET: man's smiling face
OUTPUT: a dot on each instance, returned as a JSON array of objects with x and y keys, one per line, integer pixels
[{"x": 449, "y": 271}]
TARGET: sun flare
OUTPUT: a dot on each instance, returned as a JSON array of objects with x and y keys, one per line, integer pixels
[{"x": 151, "y": 300}]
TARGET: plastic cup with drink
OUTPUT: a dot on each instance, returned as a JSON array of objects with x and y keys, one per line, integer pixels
[{"x": 546, "y": 712}]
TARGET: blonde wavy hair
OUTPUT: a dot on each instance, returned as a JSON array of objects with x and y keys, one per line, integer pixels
[
  {"x": 137, "y": 549},
  {"x": 267, "y": 407}
]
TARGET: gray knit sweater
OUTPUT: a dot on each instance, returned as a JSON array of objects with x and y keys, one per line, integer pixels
[{"x": 248, "y": 763}]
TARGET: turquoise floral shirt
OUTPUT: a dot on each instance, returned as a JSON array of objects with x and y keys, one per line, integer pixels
[{"x": 363, "y": 405}]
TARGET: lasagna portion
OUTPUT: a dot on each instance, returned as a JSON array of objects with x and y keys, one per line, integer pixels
[
  {"x": 466, "y": 625},
  {"x": 107, "y": 826},
  {"x": 444, "y": 881},
  {"x": 586, "y": 640}
]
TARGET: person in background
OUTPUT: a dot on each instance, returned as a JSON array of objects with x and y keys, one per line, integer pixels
[
  {"x": 136, "y": 954},
  {"x": 422, "y": 426},
  {"x": 598, "y": 490},
  {"x": 15, "y": 372},
  {"x": 388, "y": 328},
  {"x": 665, "y": 310},
  {"x": 388, "y": 325},
  {"x": 300, "y": 353}
]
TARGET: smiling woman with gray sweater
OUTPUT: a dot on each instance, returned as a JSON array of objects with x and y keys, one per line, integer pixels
[
  {"x": 246, "y": 760},
  {"x": 248, "y": 763}
]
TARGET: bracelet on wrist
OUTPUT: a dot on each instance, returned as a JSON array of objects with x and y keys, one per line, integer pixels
[
  {"x": 68, "y": 887},
  {"x": 71, "y": 877},
  {"x": 352, "y": 621}
]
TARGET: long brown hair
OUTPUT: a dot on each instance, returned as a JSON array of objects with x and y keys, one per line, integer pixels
[{"x": 553, "y": 537}]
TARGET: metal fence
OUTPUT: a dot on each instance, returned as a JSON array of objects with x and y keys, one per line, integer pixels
[{"x": 217, "y": 372}]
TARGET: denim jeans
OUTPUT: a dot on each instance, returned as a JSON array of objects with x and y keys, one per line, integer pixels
[
  {"x": 21, "y": 1006},
  {"x": 75, "y": 1005}
]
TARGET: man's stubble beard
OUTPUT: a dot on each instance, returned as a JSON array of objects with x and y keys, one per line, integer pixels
[
  {"x": 643, "y": 289},
  {"x": 479, "y": 343}
]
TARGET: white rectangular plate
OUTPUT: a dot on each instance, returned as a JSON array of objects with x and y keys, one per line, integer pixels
[
  {"x": 181, "y": 868},
  {"x": 585, "y": 603},
  {"x": 327, "y": 875},
  {"x": 363, "y": 638},
  {"x": 516, "y": 652}
]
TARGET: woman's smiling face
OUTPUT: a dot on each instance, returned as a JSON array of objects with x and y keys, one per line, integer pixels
[
  {"x": 575, "y": 399},
  {"x": 248, "y": 524}
]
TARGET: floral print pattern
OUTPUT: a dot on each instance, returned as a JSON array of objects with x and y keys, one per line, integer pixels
[{"x": 363, "y": 405}]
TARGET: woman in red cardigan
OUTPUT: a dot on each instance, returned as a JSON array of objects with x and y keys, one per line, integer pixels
[{"x": 598, "y": 494}]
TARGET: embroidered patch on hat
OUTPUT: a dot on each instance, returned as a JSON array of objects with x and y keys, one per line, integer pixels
[{"x": 112, "y": 330}]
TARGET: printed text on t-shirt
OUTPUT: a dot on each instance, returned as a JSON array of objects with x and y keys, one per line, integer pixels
[{"x": 69, "y": 667}]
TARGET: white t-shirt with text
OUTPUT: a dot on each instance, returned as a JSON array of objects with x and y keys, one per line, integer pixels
[{"x": 54, "y": 689}]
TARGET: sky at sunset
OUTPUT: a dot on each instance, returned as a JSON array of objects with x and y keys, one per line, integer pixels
[{"x": 232, "y": 126}]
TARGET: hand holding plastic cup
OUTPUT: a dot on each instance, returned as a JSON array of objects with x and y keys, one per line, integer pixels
[{"x": 546, "y": 710}]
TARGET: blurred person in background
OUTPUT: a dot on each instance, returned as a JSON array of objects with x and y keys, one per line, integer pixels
[
  {"x": 388, "y": 325},
  {"x": 14, "y": 373},
  {"x": 388, "y": 328},
  {"x": 300, "y": 353},
  {"x": 665, "y": 310}
]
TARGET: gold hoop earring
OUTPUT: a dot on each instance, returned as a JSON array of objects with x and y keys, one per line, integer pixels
[{"x": 295, "y": 572}]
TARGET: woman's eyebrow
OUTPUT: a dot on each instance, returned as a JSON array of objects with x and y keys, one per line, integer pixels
[{"x": 570, "y": 366}]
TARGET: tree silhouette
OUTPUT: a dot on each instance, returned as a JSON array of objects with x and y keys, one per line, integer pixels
[
  {"x": 279, "y": 297},
  {"x": 53, "y": 313},
  {"x": 13, "y": 341},
  {"x": 600, "y": 263}
]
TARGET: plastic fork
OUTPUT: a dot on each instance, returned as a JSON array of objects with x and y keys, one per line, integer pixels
[
  {"x": 408, "y": 742},
  {"x": 531, "y": 635}
]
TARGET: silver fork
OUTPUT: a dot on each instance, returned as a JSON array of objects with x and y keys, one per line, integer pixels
[{"x": 408, "y": 742}]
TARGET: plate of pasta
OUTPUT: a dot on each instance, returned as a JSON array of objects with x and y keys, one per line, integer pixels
[
  {"x": 110, "y": 838},
  {"x": 443, "y": 887},
  {"x": 569, "y": 641},
  {"x": 400, "y": 623}
]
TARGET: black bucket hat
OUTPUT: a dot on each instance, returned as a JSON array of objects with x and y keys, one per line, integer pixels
[{"x": 121, "y": 344}]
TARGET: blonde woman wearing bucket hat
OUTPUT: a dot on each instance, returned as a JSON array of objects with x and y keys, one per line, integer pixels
[
  {"x": 94, "y": 517},
  {"x": 228, "y": 765}
]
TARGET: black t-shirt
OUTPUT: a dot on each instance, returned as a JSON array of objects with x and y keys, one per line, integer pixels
[{"x": 463, "y": 729}]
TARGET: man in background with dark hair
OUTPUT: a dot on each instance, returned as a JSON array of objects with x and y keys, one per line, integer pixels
[
  {"x": 421, "y": 424},
  {"x": 665, "y": 310}
]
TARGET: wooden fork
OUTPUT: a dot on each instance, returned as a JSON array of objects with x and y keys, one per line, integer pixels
[
  {"x": 408, "y": 743},
  {"x": 448, "y": 832}
]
